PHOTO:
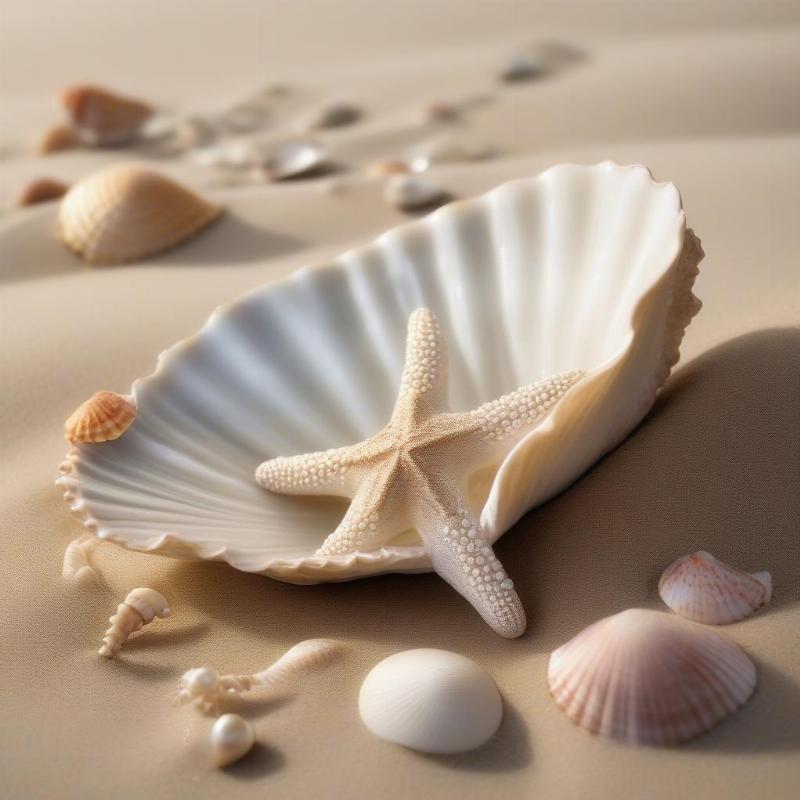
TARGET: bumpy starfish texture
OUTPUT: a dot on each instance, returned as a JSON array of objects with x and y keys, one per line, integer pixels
[{"x": 414, "y": 474}]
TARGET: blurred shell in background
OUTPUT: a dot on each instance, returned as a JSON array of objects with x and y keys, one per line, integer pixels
[{"x": 128, "y": 212}]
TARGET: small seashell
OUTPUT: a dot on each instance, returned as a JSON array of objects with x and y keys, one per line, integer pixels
[
  {"x": 101, "y": 117},
  {"x": 129, "y": 212},
  {"x": 41, "y": 190},
  {"x": 334, "y": 115},
  {"x": 293, "y": 159},
  {"x": 390, "y": 167},
  {"x": 450, "y": 149},
  {"x": 649, "y": 678},
  {"x": 440, "y": 111},
  {"x": 232, "y": 738},
  {"x": 523, "y": 67},
  {"x": 105, "y": 416},
  {"x": 208, "y": 689},
  {"x": 430, "y": 700},
  {"x": 139, "y": 608},
  {"x": 77, "y": 568},
  {"x": 410, "y": 192},
  {"x": 56, "y": 138},
  {"x": 703, "y": 589}
]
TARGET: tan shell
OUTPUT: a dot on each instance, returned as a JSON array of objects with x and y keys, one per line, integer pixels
[
  {"x": 41, "y": 190},
  {"x": 56, "y": 138},
  {"x": 102, "y": 117},
  {"x": 646, "y": 677},
  {"x": 138, "y": 609},
  {"x": 128, "y": 212},
  {"x": 701, "y": 588},
  {"x": 103, "y": 417}
]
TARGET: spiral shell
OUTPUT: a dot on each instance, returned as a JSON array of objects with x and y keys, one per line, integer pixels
[
  {"x": 129, "y": 212},
  {"x": 649, "y": 678},
  {"x": 701, "y": 588},
  {"x": 138, "y": 609}
]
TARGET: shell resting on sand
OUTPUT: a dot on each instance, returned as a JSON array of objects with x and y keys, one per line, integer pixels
[
  {"x": 700, "y": 587},
  {"x": 127, "y": 212},
  {"x": 102, "y": 117},
  {"x": 646, "y": 677},
  {"x": 138, "y": 609},
  {"x": 431, "y": 700},
  {"x": 577, "y": 269}
]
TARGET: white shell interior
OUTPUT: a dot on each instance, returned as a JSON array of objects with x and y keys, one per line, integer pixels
[{"x": 572, "y": 269}]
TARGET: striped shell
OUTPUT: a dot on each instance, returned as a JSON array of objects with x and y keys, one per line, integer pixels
[
  {"x": 102, "y": 117},
  {"x": 105, "y": 416},
  {"x": 128, "y": 212},
  {"x": 649, "y": 678},
  {"x": 701, "y": 588}
]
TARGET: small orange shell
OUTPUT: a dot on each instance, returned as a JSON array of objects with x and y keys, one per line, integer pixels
[
  {"x": 128, "y": 212},
  {"x": 102, "y": 117},
  {"x": 390, "y": 167},
  {"x": 56, "y": 138},
  {"x": 41, "y": 190},
  {"x": 103, "y": 417}
]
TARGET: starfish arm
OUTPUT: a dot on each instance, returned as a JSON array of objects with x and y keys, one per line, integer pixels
[
  {"x": 326, "y": 472},
  {"x": 461, "y": 555},
  {"x": 508, "y": 418},
  {"x": 371, "y": 519},
  {"x": 424, "y": 382}
]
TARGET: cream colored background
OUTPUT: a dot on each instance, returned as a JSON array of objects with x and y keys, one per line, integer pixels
[{"x": 706, "y": 94}]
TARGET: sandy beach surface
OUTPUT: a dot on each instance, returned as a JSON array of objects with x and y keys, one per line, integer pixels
[{"x": 706, "y": 95}]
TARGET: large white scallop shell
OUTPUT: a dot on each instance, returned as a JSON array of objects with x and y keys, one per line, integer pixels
[
  {"x": 700, "y": 587},
  {"x": 646, "y": 677},
  {"x": 431, "y": 700},
  {"x": 578, "y": 268}
]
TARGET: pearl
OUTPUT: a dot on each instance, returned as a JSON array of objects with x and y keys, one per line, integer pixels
[{"x": 231, "y": 739}]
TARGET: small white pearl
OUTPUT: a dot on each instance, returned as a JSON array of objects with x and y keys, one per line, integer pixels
[{"x": 231, "y": 739}]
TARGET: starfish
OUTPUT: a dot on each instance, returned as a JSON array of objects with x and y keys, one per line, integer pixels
[{"x": 414, "y": 474}]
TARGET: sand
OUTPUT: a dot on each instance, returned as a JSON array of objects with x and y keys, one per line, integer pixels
[{"x": 706, "y": 97}]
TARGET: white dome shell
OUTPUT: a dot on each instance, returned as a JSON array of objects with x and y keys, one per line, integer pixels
[{"x": 431, "y": 700}]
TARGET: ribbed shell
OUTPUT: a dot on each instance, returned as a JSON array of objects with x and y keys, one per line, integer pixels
[
  {"x": 129, "y": 212},
  {"x": 577, "y": 268},
  {"x": 102, "y": 117},
  {"x": 649, "y": 678},
  {"x": 103, "y": 417},
  {"x": 700, "y": 587}
]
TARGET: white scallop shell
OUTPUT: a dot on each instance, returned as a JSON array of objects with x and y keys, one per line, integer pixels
[
  {"x": 700, "y": 587},
  {"x": 578, "y": 268},
  {"x": 431, "y": 700},
  {"x": 646, "y": 677}
]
